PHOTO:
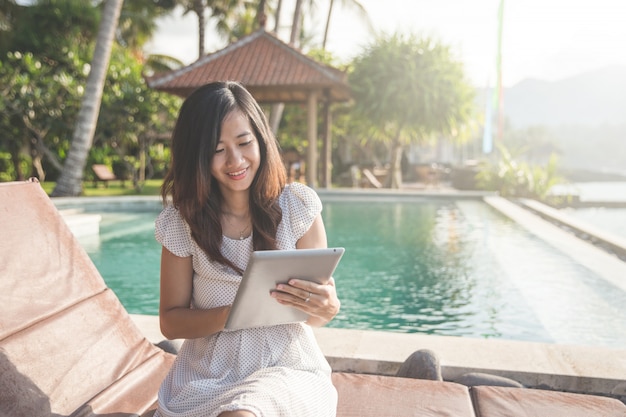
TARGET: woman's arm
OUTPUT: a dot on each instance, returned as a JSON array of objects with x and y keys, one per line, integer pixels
[
  {"x": 177, "y": 319},
  {"x": 319, "y": 301},
  {"x": 315, "y": 237}
]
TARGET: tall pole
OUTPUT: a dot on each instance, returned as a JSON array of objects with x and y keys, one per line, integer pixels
[
  {"x": 495, "y": 100},
  {"x": 500, "y": 92},
  {"x": 311, "y": 163}
]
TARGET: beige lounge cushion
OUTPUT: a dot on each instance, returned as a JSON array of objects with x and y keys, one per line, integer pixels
[
  {"x": 65, "y": 338},
  {"x": 363, "y": 395},
  {"x": 506, "y": 402}
]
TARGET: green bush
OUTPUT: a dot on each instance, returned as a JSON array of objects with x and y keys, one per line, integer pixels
[
  {"x": 511, "y": 178},
  {"x": 123, "y": 167},
  {"x": 7, "y": 169}
]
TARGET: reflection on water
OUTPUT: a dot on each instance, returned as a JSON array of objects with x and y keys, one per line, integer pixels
[
  {"x": 128, "y": 257},
  {"x": 459, "y": 268},
  {"x": 437, "y": 267},
  {"x": 424, "y": 268}
]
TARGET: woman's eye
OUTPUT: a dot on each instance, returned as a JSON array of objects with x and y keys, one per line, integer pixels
[
  {"x": 219, "y": 150},
  {"x": 246, "y": 143}
]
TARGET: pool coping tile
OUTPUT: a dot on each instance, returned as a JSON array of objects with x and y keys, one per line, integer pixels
[{"x": 570, "y": 368}]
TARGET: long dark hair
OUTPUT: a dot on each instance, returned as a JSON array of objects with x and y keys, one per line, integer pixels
[{"x": 195, "y": 192}]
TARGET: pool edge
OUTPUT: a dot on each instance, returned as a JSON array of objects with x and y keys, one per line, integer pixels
[{"x": 570, "y": 368}]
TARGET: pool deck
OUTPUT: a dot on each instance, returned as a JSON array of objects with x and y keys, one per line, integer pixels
[
  {"x": 570, "y": 368},
  {"x": 578, "y": 369}
]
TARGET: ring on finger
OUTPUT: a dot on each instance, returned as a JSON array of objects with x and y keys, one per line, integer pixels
[{"x": 306, "y": 300}]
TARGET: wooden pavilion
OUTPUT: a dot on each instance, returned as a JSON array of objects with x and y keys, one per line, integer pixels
[{"x": 273, "y": 72}]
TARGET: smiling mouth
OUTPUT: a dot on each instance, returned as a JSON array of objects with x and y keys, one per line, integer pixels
[{"x": 238, "y": 173}]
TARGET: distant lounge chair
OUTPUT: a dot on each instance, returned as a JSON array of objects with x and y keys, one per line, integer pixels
[
  {"x": 69, "y": 348},
  {"x": 102, "y": 174},
  {"x": 371, "y": 178}
]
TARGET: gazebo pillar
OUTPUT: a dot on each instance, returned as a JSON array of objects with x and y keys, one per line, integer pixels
[
  {"x": 327, "y": 148},
  {"x": 311, "y": 160}
]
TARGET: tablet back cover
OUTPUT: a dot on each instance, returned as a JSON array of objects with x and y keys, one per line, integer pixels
[{"x": 253, "y": 305}]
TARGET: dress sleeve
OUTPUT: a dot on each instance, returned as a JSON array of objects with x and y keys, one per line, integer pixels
[
  {"x": 172, "y": 232},
  {"x": 302, "y": 206}
]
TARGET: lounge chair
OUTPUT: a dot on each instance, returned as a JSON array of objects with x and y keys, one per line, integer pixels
[
  {"x": 103, "y": 174},
  {"x": 370, "y": 179},
  {"x": 69, "y": 348}
]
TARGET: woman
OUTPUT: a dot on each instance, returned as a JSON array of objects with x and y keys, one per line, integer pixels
[{"x": 228, "y": 197}]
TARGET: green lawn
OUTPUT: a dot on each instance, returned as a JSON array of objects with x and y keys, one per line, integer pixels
[{"x": 115, "y": 188}]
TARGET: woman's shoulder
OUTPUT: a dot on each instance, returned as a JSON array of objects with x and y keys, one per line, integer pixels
[
  {"x": 169, "y": 214},
  {"x": 299, "y": 191},
  {"x": 172, "y": 231},
  {"x": 300, "y": 201}
]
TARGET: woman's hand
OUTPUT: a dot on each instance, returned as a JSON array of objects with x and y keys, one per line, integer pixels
[{"x": 319, "y": 301}]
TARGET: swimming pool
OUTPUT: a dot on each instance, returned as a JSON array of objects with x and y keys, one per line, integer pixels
[{"x": 436, "y": 266}]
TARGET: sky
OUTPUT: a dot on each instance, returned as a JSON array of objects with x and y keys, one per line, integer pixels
[{"x": 541, "y": 39}]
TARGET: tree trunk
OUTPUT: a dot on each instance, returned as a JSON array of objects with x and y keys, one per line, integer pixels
[
  {"x": 277, "y": 16},
  {"x": 295, "y": 24},
  {"x": 70, "y": 181},
  {"x": 260, "y": 14},
  {"x": 394, "y": 179},
  {"x": 199, "y": 9},
  {"x": 15, "y": 159},
  {"x": 41, "y": 173},
  {"x": 330, "y": 12},
  {"x": 276, "y": 111}
]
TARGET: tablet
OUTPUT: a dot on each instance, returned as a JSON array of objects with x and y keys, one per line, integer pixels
[{"x": 253, "y": 305}]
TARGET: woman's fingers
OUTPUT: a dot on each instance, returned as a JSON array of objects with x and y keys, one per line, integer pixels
[
  {"x": 301, "y": 292},
  {"x": 317, "y": 300}
]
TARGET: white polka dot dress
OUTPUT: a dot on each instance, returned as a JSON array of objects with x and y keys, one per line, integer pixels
[{"x": 270, "y": 371}]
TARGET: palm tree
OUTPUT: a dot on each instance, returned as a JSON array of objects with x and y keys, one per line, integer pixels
[
  {"x": 346, "y": 3},
  {"x": 277, "y": 109},
  {"x": 410, "y": 89},
  {"x": 198, "y": 7},
  {"x": 7, "y": 9},
  {"x": 137, "y": 22},
  {"x": 250, "y": 18},
  {"x": 295, "y": 23},
  {"x": 136, "y": 26},
  {"x": 70, "y": 180},
  {"x": 279, "y": 6},
  {"x": 220, "y": 9}
]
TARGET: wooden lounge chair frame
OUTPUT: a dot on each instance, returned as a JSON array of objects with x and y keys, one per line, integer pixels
[{"x": 102, "y": 173}]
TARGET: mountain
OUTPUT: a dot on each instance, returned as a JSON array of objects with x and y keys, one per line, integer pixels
[
  {"x": 582, "y": 117},
  {"x": 590, "y": 99}
]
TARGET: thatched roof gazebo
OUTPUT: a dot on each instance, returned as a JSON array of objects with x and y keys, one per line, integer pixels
[{"x": 273, "y": 72}]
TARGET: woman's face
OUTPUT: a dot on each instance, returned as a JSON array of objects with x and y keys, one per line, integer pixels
[{"x": 237, "y": 155}]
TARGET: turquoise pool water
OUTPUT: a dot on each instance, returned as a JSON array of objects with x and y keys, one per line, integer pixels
[{"x": 446, "y": 267}]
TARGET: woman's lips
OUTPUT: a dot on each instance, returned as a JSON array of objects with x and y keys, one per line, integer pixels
[{"x": 238, "y": 174}]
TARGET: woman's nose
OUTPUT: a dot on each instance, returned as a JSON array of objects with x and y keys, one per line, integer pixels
[{"x": 233, "y": 157}]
